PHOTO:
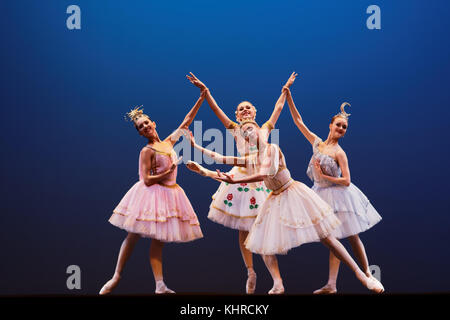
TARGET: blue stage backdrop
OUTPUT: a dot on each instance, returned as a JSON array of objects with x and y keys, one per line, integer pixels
[{"x": 68, "y": 156}]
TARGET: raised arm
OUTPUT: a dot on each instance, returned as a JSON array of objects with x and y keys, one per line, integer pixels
[
  {"x": 150, "y": 178},
  {"x": 234, "y": 161},
  {"x": 212, "y": 103},
  {"x": 175, "y": 136},
  {"x": 281, "y": 100},
  {"x": 310, "y": 136}
]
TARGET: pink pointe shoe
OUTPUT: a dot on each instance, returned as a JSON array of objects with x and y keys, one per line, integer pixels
[
  {"x": 374, "y": 285},
  {"x": 326, "y": 289},
  {"x": 161, "y": 288},
  {"x": 109, "y": 286},
  {"x": 277, "y": 288},
  {"x": 251, "y": 283}
]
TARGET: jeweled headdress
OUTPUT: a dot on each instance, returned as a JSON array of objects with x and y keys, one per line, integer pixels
[
  {"x": 135, "y": 113},
  {"x": 343, "y": 114}
]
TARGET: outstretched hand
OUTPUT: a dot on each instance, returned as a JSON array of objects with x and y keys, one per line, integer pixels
[
  {"x": 196, "y": 82},
  {"x": 225, "y": 177},
  {"x": 290, "y": 81}
]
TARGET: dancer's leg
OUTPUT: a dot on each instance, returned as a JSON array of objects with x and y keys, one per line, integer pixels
[
  {"x": 271, "y": 263},
  {"x": 330, "y": 287},
  {"x": 360, "y": 253},
  {"x": 340, "y": 252},
  {"x": 125, "y": 252},
  {"x": 247, "y": 256},
  {"x": 156, "y": 263},
  {"x": 156, "y": 259}
]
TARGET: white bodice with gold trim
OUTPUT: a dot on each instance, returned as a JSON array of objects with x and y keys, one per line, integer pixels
[{"x": 278, "y": 176}]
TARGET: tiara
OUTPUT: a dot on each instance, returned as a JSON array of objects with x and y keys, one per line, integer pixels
[
  {"x": 135, "y": 113},
  {"x": 343, "y": 114}
]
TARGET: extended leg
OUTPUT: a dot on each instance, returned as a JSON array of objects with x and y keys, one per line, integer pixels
[
  {"x": 340, "y": 252},
  {"x": 248, "y": 260},
  {"x": 125, "y": 252},
  {"x": 360, "y": 253}
]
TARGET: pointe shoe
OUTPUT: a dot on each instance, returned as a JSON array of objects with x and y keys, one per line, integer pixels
[
  {"x": 326, "y": 289},
  {"x": 194, "y": 166},
  {"x": 109, "y": 286},
  {"x": 251, "y": 283},
  {"x": 161, "y": 288},
  {"x": 277, "y": 289},
  {"x": 374, "y": 285}
]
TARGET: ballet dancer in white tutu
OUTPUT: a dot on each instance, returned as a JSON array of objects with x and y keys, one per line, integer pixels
[
  {"x": 293, "y": 214},
  {"x": 329, "y": 171},
  {"x": 236, "y": 206}
]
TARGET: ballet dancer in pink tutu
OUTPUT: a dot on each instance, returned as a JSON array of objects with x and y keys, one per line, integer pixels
[
  {"x": 293, "y": 214},
  {"x": 329, "y": 171},
  {"x": 156, "y": 206},
  {"x": 237, "y": 206}
]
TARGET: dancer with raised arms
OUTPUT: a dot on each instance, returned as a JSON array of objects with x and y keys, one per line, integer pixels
[
  {"x": 329, "y": 170},
  {"x": 156, "y": 206},
  {"x": 293, "y": 214},
  {"x": 237, "y": 206}
]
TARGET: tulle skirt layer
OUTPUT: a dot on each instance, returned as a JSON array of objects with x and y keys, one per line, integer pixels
[
  {"x": 236, "y": 206},
  {"x": 295, "y": 216},
  {"x": 158, "y": 212},
  {"x": 351, "y": 206}
]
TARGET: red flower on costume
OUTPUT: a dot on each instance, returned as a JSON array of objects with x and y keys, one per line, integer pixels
[
  {"x": 230, "y": 197},
  {"x": 253, "y": 200},
  {"x": 243, "y": 184}
]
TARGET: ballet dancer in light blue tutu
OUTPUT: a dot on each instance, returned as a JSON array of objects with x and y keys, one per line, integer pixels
[{"x": 329, "y": 171}]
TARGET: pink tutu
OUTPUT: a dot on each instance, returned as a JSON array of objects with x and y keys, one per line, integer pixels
[{"x": 159, "y": 211}]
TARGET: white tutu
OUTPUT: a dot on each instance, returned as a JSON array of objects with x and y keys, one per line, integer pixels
[
  {"x": 236, "y": 206},
  {"x": 351, "y": 206},
  {"x": 288, "y": 219}
]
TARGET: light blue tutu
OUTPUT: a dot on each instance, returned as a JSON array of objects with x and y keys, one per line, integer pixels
[{"x": 350, "y": 205}]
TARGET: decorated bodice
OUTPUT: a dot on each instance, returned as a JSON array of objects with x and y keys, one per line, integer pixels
[
  {"x": 273, "y": 165},
  {"x": 327, "y": 163},
  {"x": 244, "y": 148},
  {"x": 162, "y": 163}
]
